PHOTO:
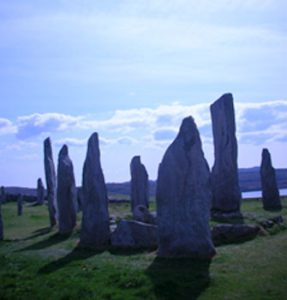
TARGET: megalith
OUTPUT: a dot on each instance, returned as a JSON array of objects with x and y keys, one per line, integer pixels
[
  {"x": 139, "y": 184},
  {"x": 226, "y": 195},
  {"x": 51, "y": 182},
  {"x": 270, "y": 193},
  {"x": 1, "y": 224},
  {"x": 40, "y": 192},
  {"x": 66, "y": 192},
  {"x": 183, "y": 198},
  {"x": 95, "y": 231},
  {"x": 19, "y": 204},
  {"x": 2, "y": 195}
]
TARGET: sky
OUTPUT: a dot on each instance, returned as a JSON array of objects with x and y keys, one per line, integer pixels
[{"x": 131, "y": 71}]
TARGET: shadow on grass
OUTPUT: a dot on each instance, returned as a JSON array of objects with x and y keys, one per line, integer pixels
[
  {"x": 128, "y": 251},
  {"x": 38, "y": 233},
  {"x": 52, "y": 240},
  {"x": 76, "y": 254},
  {"x": 179, "y": 278}
]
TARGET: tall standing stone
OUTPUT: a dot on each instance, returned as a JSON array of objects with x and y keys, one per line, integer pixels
[
  {"x": 66, "y": 192},
  {"x": 183, "y": 198},
  {"x": 270, "y": 192},
  {"x": 51, "y": 183},
  {"x": 95, "y": 231},
  {"x": 226, "y": 195},
  {"x": 139, "y": 183},
  {"x": 2, "y": 195},
  {"x": 1, "y": 224},
  {"x": 19, "y": 205},
  {"x": 40, "y": 192}
]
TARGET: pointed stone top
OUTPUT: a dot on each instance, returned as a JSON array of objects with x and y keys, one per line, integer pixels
[
  {"x": 265, "y": 151},
  {"x": 47, "y": 140},
  {"x": 64, "y": 151},
  {"x": 266, "y": 156},
  {"x": 188, "y": 132},
  {"x": 136, "y": 159},
  {"x": 93, "y": 146},
  {"x": 47, "y": 144},
  {"x": 93, "y": 140},
  {"x": 225, "y": 98}
]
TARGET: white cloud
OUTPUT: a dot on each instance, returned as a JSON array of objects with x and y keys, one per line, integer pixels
[
  {"x": 72, "y": 142},
  {"x": 6, "y": 127},
  {"x": 260, "y": 123},
  {"x": 36, "y": 124},
  {"x": 257, "y": 123},
  {"x": 164, "y": 134}
]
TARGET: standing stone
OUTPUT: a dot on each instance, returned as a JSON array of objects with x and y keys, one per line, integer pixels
[
  {"x": 66, "y": 192},
  {"x": 139, "y": 184},
  {"x": 1, "y": 224},
  {"x": 2, "y": 195},
  {"x": 50, "y": 175},
  {"x": 19, "y": 205},
  {"x": 183, "y": 198},
  {"x": 226, "y": 195},
  {"x": 95, "y": 231},
  {"x": 270, "y": 193},
  {"x": 40, "y": 192}
]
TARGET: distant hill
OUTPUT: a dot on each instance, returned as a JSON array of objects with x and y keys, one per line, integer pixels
[{"x": 249, "y": 180}]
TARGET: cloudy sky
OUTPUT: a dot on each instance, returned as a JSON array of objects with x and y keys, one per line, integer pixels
[{"x": 132, "y": 70}]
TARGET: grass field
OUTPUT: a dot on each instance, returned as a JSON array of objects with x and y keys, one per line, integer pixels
[{"x": 36, "y": 263}]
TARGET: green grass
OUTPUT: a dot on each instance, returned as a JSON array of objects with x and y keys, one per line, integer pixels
[{"x": 36, "y": 263}]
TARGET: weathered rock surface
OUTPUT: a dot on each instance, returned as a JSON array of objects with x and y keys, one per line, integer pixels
[
  {"x": 1, "y": 225},
  {"x": 270, "y": 222},
  {"x": 19, "y": 205},
  {"x": 51, "y": 183},
  {"x": 95, "y": 231},
  {"x": 66, "y": 193},
  {"x": 270, "y": 193},
  {"x": 226, "y": 196},
  {"x": 233, "y": 233},
  {"x": 142, "y": 214},
  {"x": 40, "y": 192},
  {"x": 134, "y": 235},
  {"x": 139, "y": 184},
  {"x": 230, "y": 217},
  {"x": 183, "y": 198}
]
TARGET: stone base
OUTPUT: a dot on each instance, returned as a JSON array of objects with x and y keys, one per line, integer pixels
[
  {"x": 134, "y": 235},
  {"x": 233, "y": 233},
  {"x": 272, "y": 208},
  {"x": 234, "y": 217}
]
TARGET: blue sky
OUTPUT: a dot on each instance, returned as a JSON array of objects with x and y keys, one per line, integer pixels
[{"x": 131, "y": 70}]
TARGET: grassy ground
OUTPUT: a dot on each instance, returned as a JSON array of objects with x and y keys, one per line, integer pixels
[{"x": 36, "y": 263}]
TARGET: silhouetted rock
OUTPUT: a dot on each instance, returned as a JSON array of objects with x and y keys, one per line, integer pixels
[
  {"x": 40, "y": 192},
  {"x": 51, "y": 183},
  {"x": 2, "y": 195},
  {"x": 270, "y": 193},
  {"x": 19, "y": 205},
  {"x": 134, "y": 235},
  {"x": 233, "y": 233},
  {"x": 1, "y": 224},
  {"x": 226, "y": 196},
  {"x": 183, "y": 198},
  {"x": 139, "y": 184},
  {"x": 142, "y": 214},
  {"x": 66, "y": 193},
  {"x": 95, "y": 231}
]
